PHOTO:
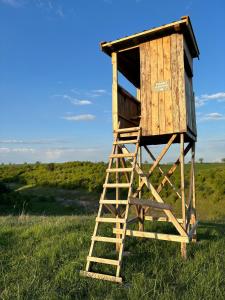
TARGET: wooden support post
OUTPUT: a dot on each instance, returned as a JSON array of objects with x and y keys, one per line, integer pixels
[
  {"x": 141, "y": 209},
  {"x": 183, "y": 245},
  {"x": 115, "y": 125},
  {"x": 115, "y": 91},
  {"x": 193, "y": 213}
]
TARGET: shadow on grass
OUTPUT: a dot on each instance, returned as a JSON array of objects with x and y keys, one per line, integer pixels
[
  {"x": 211, "y": 230},
  {"x": 45, "y": 200}
]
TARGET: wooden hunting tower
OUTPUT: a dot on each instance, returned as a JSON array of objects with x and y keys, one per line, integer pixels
[{"x": 158, "y": 62}]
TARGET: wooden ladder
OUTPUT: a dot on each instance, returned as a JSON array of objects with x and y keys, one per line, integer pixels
[{"x": 132, "y": 136}]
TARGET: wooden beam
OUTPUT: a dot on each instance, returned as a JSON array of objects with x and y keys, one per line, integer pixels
[
  {"x": 162, "y": 172},
  {"x": 103, "y": 260},
  {"x": 183, "y": 245},
  {"x": 172, "y": 169},
  {"x": 150, "y": 203},
  {"x": 193, "y": 216},
  {"x": 132, "y": 220},
  {"x": 116, "y": 185},
  {"x": 115, "y": 90},
  {"x": 106, "y": 239},
  {"x": 154, "y": 235},
  {"x": 161, "y": 219},
  {"x": 169, "y": 213},
  {"x": 109, "y": 220},
  {"x": 161, "y": 155}
]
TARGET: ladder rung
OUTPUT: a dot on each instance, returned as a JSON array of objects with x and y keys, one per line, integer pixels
[
  {"x": 122, "y": 155},
  {"x": 119, "y": 170},
  {"x": 128, "y": 135},
  {"x": 106, "y": 239},
  {"x": 125, "y": 142},
  {"x": 103, "y": 260},
  {"x": 110, "y": 220},
  {"x": 114, "y": 202},
  {"x": 101, "y": 276},
  {"x": 115, "y": 185},
  {"x": 129, "y": 129}
]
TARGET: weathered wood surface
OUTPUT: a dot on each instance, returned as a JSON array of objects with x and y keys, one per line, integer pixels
[
  {"x": 128, "y": 107},
  {"x": 154, "y": 235},
  {"x": 167, "y": 102},
  {"x": 101, "y": 276}
]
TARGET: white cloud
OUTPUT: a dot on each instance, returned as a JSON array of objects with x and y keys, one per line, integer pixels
[
  {"x": 97, "y": 93},
  {"x": 213, "y": 117},
  {"x": 201, "y": 100},
  {"x": 73, "y": 100},
  {"x": 16, "y": 150},
  {"x": 85, "y": 117},
  {"x": 81, "y": 102}
]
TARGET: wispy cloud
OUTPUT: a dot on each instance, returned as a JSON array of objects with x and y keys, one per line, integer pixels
[
  {"x": 16, "y": 150},
  {"x": 91, "y": 93},
  {"x": 203, "y": 99},
  {"x": 59, "y": 12},
  {"x": 49, "y": 6},
  {"x": 73, "y": 100},
  {"x": 97, "y": 93},
  {"x": 215, "y": 116},
  {"x": 32, "y": 142},
  {"x": 85, "y": 117}
]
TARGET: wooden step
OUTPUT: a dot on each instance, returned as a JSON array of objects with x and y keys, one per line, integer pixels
[
  {"x": 119, "y": 170},
  {"x": 126, "y": 142},
  {"x": 149, "y": 203},
  {"x": 129, "y": 129},
  {"x": 110, "y": 220},
  {"x": 123, "y": 202},
  {"x": 122, "y": 155},
  {"x": 101, "y": 276},
  {"x": 115, "y": 185},
  {"x": 128, "y": 135},
  {"x": 106, "y": 239},
  {"x": 106, "y": 261}
]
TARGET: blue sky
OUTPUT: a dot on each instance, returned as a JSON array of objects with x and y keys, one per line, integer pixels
[{"x": 55, "y": 83}]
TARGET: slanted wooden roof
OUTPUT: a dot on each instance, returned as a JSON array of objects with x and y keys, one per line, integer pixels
[{"x": 183, "y": 26}]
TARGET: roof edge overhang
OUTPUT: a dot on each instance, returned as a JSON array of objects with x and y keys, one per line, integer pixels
[{"x": 183, "y": 26}]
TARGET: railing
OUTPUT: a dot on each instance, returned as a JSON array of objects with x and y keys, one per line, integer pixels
[{"x": 129, "y": 109}]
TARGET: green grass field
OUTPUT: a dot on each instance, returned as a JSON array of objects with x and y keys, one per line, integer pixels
[{"x": 45, "y": 231}]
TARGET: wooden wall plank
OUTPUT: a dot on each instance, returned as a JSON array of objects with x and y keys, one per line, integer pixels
[
  {"x": 174, "y": 83},
  {"x": 167, "y": 77},
  {"x": 154, "y": 78},
  {"x": 143, "y": 79},
  {"x": 181, "y": 83},
  {"x": 161, "y": 94},
  {"x": 148, "y": 90}
]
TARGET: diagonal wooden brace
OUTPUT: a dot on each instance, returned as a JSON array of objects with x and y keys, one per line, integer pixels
[{"x": 162, "y": 172}]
